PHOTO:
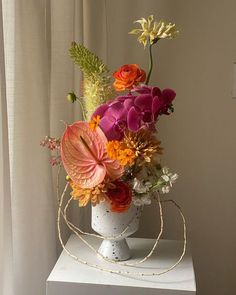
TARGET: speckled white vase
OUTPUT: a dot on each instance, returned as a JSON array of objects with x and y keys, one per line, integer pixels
[{"x": 109, "y": 224}]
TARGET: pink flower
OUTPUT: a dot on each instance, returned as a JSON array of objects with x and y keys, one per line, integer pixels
[
  {"x": 55, "y": 160},
  {"x": 84, "y": 156},
  {"x": 113, "y": 117},
  {"x": 134, "y": 112},
  {"x": 51, "y": 143},
  {"x": 162, "y": 100}
]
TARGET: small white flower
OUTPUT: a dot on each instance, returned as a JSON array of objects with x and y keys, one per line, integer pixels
[
  {"x": 165, "y": 170},
  {"x": 141, "y": 187},
  {"x": 165, "y": 189},
  {"x": 140, "y": 201},
  {"x": 166, "y": 180},
  {"x": 146, "y": 200},
  {"x": 174, "y": 177},
  {"x": 168, "y": 177},
  {"x": 137, "y": 202}
]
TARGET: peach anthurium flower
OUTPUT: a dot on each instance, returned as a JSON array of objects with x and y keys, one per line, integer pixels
[{"x": 84, "y": 156}]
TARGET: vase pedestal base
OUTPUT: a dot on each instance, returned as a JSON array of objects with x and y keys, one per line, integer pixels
[
  {"x": 117, "y": 250},
  {"x": 72, "y": 278},
  {"x": 117, "y": 226}
]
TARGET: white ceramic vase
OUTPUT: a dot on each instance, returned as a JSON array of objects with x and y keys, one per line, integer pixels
[{"x": 111, "y": 224}]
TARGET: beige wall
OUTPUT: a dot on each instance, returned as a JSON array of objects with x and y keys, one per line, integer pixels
[{"x": 199, "y": 138}]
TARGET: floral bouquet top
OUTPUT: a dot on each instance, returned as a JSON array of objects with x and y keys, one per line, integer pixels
[{"x": 113, "y": 154}]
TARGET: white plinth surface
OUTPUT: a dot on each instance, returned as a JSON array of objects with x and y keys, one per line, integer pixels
[{"x": 69, "y": 277}]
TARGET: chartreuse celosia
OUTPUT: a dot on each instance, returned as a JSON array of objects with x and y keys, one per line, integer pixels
[{"x": 96, "y": 85}]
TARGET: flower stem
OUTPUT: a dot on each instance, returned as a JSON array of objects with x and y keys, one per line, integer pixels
[
  {"x": 82, "y": 108},
  {"x": 150, "y": 64}
]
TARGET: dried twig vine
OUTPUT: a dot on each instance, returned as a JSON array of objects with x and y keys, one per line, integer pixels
[{"x": 75, "y": 229}]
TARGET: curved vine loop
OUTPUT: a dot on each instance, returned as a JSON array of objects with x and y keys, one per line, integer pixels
[{"x": 74, "y": 229}]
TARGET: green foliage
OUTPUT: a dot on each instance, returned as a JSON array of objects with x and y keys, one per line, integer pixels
[{"x": 91, "y": 65}]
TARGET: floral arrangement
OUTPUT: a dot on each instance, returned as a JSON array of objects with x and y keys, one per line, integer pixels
[{"x": 113, "y": 154}]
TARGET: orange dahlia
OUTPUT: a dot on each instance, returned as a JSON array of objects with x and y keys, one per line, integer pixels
[{"x": 95, "y": 194}]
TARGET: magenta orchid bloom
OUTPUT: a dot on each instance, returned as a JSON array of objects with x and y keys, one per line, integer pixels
[
  {"x": 113, "y": 119},
  {"x": 134, "y": 112},
  {"x": 162, "y": 100}
]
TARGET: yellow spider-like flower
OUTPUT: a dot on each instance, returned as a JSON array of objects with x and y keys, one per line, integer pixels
[
  {"x": 143, "y": 143},
  {"x": 152, "y": 31}
]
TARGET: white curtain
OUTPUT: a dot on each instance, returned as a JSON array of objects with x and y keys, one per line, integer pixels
[
  {"x": 28, "y": 229},
  {"x": 35, "y": 76},
  {"x": 6, "y": 260}
]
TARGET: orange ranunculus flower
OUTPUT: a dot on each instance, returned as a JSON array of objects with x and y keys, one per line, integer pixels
[
  {"x": 127, "y": 76},
  {"x": 120, "y": 196}
]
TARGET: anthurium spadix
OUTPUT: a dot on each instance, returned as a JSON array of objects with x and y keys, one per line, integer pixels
[{"x": 84, "y": 156}]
